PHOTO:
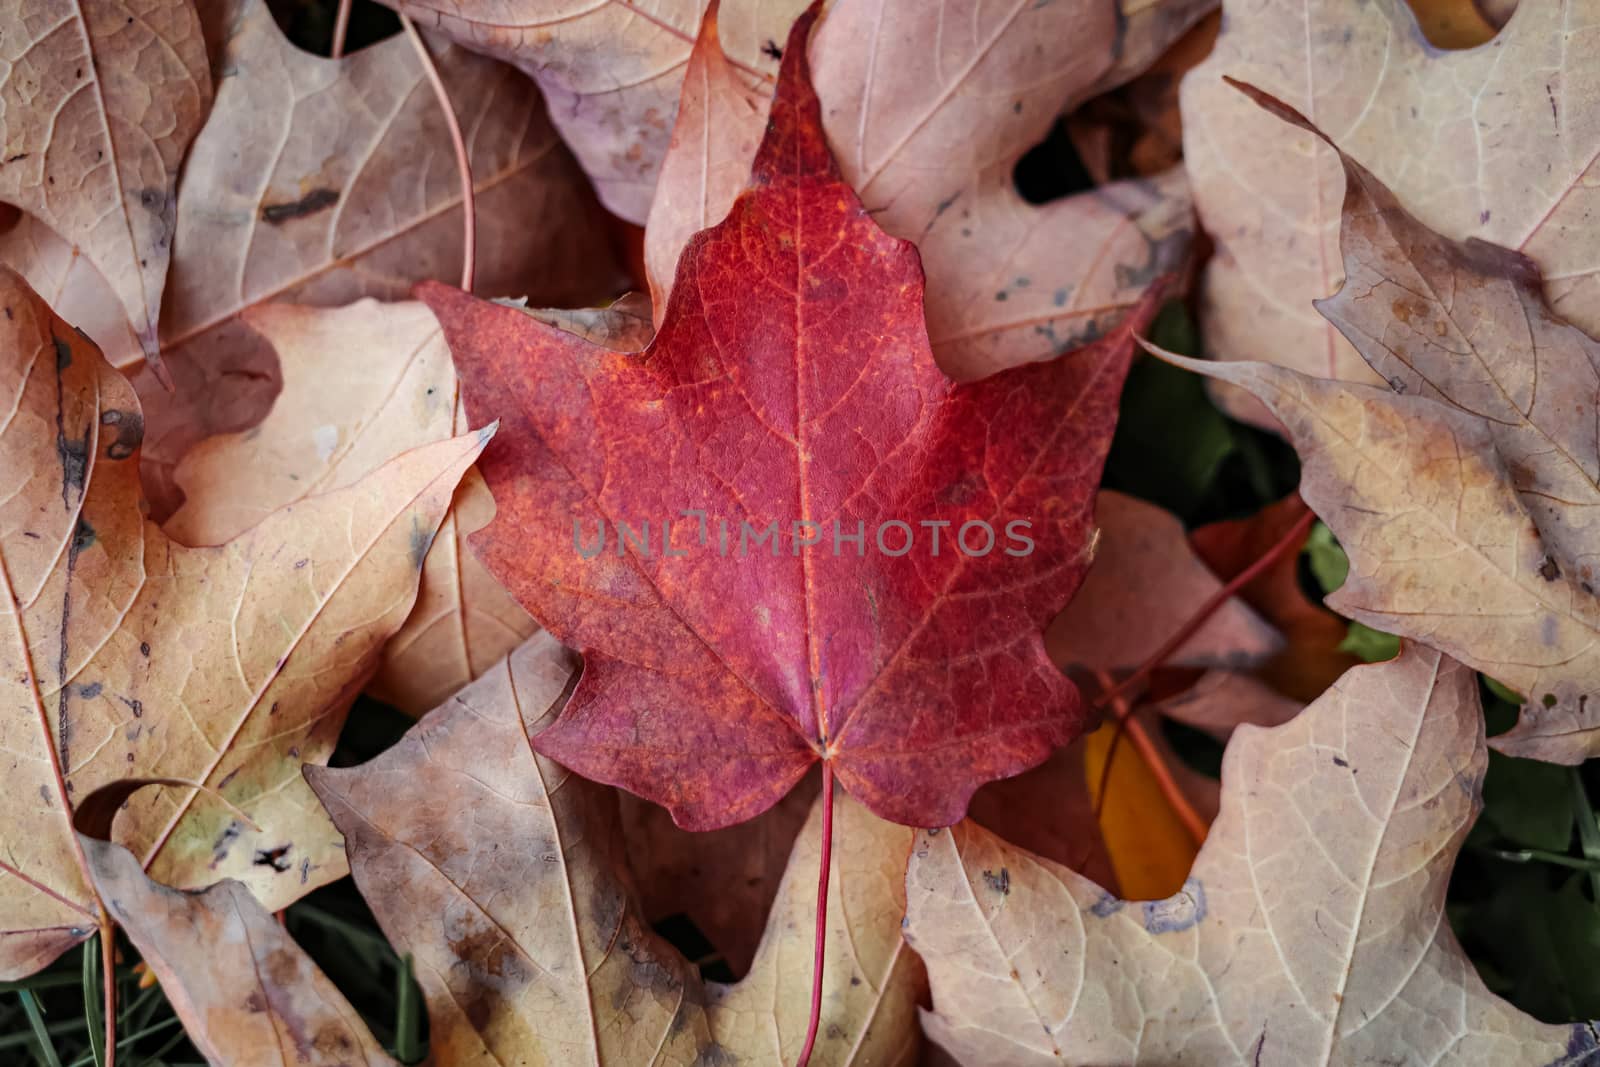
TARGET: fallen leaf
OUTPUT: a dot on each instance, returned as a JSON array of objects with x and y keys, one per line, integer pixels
[
  {"x": 1136, "y": 129},
  {"x": 1465, "y": 323},
  {"x": 1223, "y": 700},
  {"x": 612, "y": 70},
  {"x": 1311, "y": 658},
  {"x": 335, "y": 423},
  {"x": 1501, "y": 390},
  {"x": 1439, "y": 545},
  {"x": 1049, "y": 810},
  {"x": 97, "y": 109},
  {"x": 248, "y": 996},
  {"x": 724, "y": 881},
  {"x": 124, "y": 655},
  {"x": 319, "y": 181},
  {"x": 932, "y": 161},
  {"x": 1499, "y": 142},
  {"x": 1452, "y": 24},
  {"x": 505, "y": 881},
  {"x": 1311, "y": 928},
  {"x": 783, "y": 393},
  {"x": 1144, "y": 585},
  {"x": 65, "y": 278}
]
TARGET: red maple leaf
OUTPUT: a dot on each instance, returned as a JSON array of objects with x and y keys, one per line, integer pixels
[{"x": 791, "y": 383}]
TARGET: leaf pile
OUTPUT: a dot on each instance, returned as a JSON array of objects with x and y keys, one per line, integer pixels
[{"x": 792, "y": 602}]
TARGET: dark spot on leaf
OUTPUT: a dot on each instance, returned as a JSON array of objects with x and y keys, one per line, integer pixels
[
  {"x": 276, "y": 858},
  {"x": 772, "y": 49},
  {"x": 1549, "y": 700},
  {"x": 314, "y": 201},
  {"x": 1548, "y": 570},
  {"x": 90, "y": 691},
  {"x": 129, "y": 427},
  {"x": 1000, "y": 883},
  {"x": 84, "y": 536},
  {"x": 144, "y": 649},
  {"x": 1338, "y": 762}
]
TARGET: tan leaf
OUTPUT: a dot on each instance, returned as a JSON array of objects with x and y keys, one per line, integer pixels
[
  {"x": 1298, "y": 938},
  {"x": 1222, "y": 700},
  {"x": 1146, "y": 583},
  {"x": 247, "y": 994},
  {"x": 320, "y": 181},
  {"x": 1499, "y": 142},
  {"x": 723, "y": 881},
  {"x": 612, "y": 70},
  {"x": 99, "y": 103},
  {"x": 71, "y": 284},
  {"x": 1441, "y": 549},
  {"x": 932, "y": 157},
  {"x": 1465, "y": 322},
  {"x": 505, "y": 880},
  {"x": 335, "y": 423},
  {"x": 123, "y": 654}
]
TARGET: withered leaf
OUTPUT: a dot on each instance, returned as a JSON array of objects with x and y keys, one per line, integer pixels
[
  {"x": 932, "y": 156},
  {"x": 1500, "y": 142},
  {"x": 320, "y": 181},
  {"x": 247, "y": 994},
  {"x": 1310, "y": 930},
  {"x": 99, "y": 103},
  {"x": 505, "y": 880},
  {"x": 126, "y": 655},
  {"x": 335, "y": 423},
  {"x": 1503, "y": 394}
]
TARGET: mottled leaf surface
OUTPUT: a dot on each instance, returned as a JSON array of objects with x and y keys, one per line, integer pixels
[
  {"x": 247, "y": 994},
  {"x": 98, "y": 105},
  {"x": 1500, "y": 142},
  {"x": 791, "y": 383},
  {"x": 334, "y": 423},
  {"x": 505, "y": 879},
  {"x": 126, "y": 655},
  {"x": 1310, "y": 930},
  {"x": 928, "y": 107}
]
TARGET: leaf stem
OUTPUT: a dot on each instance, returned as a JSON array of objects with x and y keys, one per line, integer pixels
[
  {"x": 1176, "y": 799},
  {"x": 469, "y": 212},
  {"x": 822, "y": 914},
  {"x": 1295, "y": 537},
  {"x": 341, "y": 28}
]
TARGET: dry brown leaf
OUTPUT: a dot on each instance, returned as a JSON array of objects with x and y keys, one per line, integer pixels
[
  {"x": 612, "y": 70},
  {"x": 932, "y": 160},
  {"x": 1465, "y": 323},
  {"x": 335, "y": 423},
  {"x": 1311, "y": 658},
  {"x": 1464, "y": 326},
  {"x": 1136, "y": 129},
  {"x": 99, "y": 103},
  {"x": 1499, "y": 142},
  {"x": 723, "y": 881},
  {"x": 71, "y": 284},
  {"x": 505, "y": 880},
  {"x": 1441, "y": 549},
  {"x": 320, "y": 181},
  {"x": 123, "y": 654},
  {"x": 1145, "y": 584},
  {"x": 1311, "y": 929},
  {"x": 247, "y": 994},
  {"x": 1222, "y": 700}
]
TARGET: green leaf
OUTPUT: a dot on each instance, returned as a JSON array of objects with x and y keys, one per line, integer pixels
[
  {"x": 41, "y": 1036},
  {"x": 1528, "y": 802},
  {"x": 1545, "y": 943},
  {"x": 1329, "y": 565},
  {"x": 1372, "y": 646},
  {"x": 92, "y": 1007}
]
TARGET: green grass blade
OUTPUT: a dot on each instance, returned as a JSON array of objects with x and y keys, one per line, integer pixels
[
  {"x": 1588, "y": 828},
  {"x": 407, "y": 1024},
  {"x": 41, "y": 1036},
  {"x": 92, "y": 1008}
]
